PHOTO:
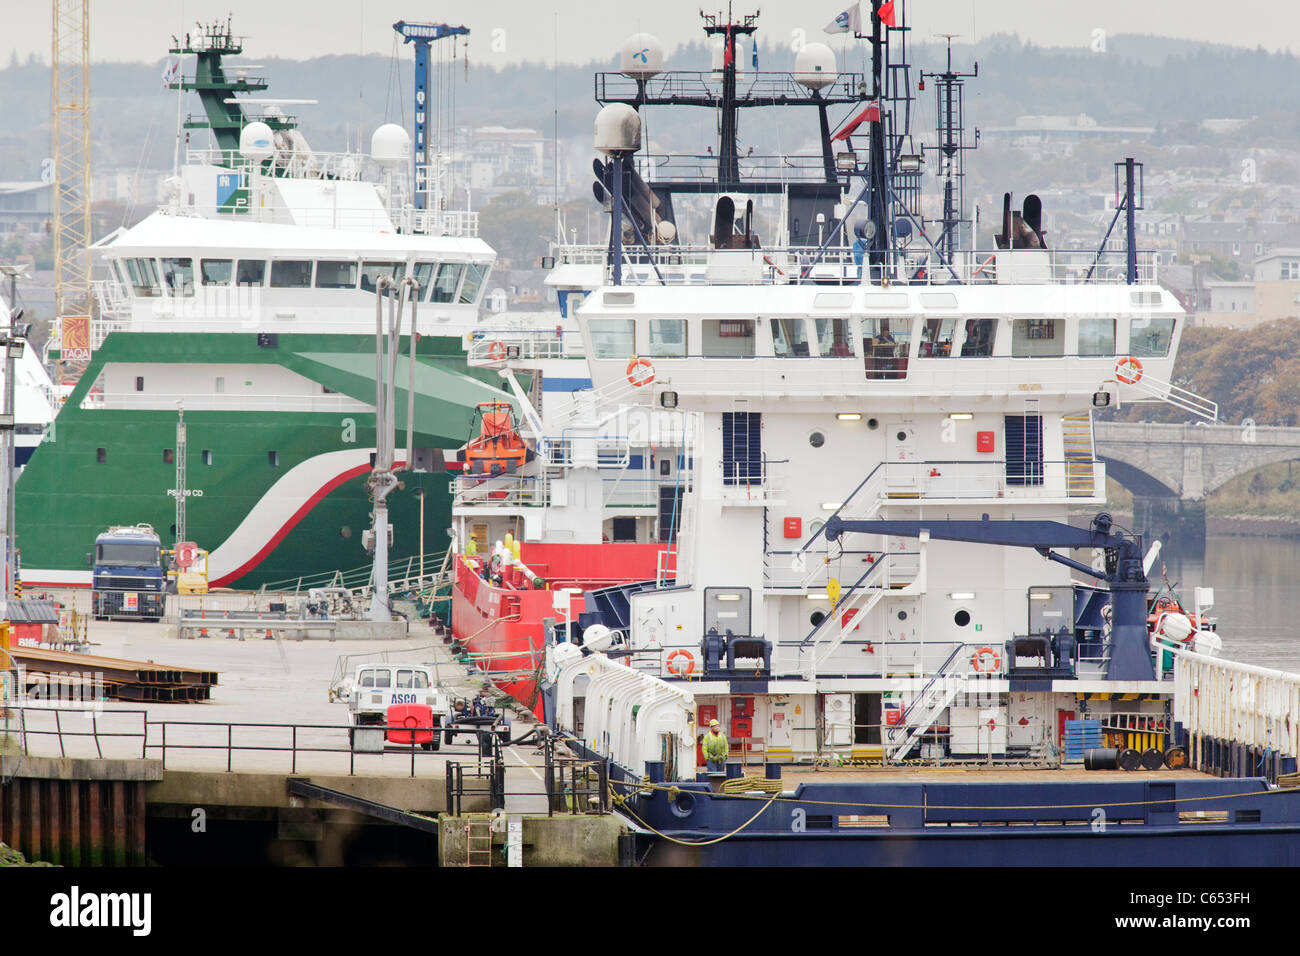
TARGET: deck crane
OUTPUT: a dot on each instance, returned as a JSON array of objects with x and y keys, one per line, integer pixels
[
  {"x": 1124, "y": 573},
  {"x": 422, "y": 35}
]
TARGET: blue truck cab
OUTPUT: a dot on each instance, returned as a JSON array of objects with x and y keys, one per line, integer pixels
[{"x": 128, "y": 579}]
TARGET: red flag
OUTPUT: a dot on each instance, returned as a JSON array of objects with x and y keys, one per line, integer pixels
[
  {"x": 727, "y": 53},
  {"x": 887, "y": 13},
  {"x": 869, "y": 115}
]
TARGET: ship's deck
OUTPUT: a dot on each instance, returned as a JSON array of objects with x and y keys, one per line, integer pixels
[{"x": 797, "y": 775}]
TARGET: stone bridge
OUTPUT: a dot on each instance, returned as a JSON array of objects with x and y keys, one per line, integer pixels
[{"x": 1171, "y": 468}]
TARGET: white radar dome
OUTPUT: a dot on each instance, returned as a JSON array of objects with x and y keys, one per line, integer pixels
[
  {"x": 814, "y": 66},
  {"x": 618, "y": 129},
  {"x": 597, "y": 638},
  {"x": 641, "y": 56},
  {"x": 256, "y": 141},
  {"x": 390, "y": 143}
]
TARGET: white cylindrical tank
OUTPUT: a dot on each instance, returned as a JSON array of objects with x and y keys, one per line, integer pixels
[
  {"x": 642, "y": 56},
  {"x": 618, "y": 129},
  {"x": 390, "y": 143},
  {"x": 256, "y": 141},
  {"x": 814, "y": 66}
]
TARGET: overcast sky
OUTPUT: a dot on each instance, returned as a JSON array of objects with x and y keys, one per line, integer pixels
[{"x": 300, "y": 29}]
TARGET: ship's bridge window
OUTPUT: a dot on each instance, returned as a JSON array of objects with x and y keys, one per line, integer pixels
[
  {"x": 444, "y": 288},
  {"x": 215, "y": 271},
  {"x": 179, "y": 276},
  {"x": 291, "y": 274},
  {"x": 1150, "y": 338},
  {"x": 937, "y": 337},
  {"x": 250, "y": 272},
  {"x": 1096, "y": 337},
  {"x": 789, "y": 338},
  {"x": 668, "y": 338},
  {"x": 371, "y": 272},
  {"x": 336, "y": 274},
  {"x": 1037, "y": 338},
  {"x": 424, "y": 273},
  {"x": 144, "y": 276},
  {"x": 475, "y": 273},
  {"x": 612, "y": 338},
  {"x": 977, "y": 338},
  {"x": 834, "y": 338},
  {"x": 885, "y": 347},
  {"x": 727, "y": 338}
]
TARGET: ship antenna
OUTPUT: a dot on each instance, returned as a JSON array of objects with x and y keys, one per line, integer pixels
[{"x": 952, "y": 147}]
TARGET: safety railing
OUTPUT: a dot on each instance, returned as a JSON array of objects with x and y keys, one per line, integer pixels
[{"x": 499, "y": 344}]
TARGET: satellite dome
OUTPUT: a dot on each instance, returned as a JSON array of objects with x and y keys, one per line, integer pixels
[
  {"x": 814, "y": 66},
  {"x": 390, "y": 144},
  {"x": 256, "y": 141},
  {"x": 642, "y": 56},
  {"x": 618, "y": 129}
]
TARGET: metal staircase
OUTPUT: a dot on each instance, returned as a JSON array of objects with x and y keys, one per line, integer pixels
[
  {"x": 1080, "y": 458},
  {"x": 849, "y": 612},
  {"x": 940, "y": 691}
]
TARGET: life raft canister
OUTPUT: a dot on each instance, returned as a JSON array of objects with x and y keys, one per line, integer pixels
[
  {"x": 681, "y": 663},
  {"x": 640, "y": 371},
  {"x": 1129, "y": 370},
  {"x": 985, "y": 660}
]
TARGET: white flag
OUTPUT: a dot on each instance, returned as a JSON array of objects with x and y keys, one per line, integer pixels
[{"x": 850, "y": 21}]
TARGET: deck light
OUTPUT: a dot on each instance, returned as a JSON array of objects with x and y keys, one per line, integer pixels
[
  {"x": 909, "y": 163},
  {"x": 962, "y": 595},
  {"x": 961, "y": 416},
  {"x": 817, "y": 597},
  {"x": 1039, "y": 596},
  {"x": 667, "y": 399},
  {"x": 728, "y": 597},
  {"x": 849, "y": 416},
  {"x": 832, "y": 505},
  {"x": 846, "y": 162},
  {"x": 1100, "y": 399}
]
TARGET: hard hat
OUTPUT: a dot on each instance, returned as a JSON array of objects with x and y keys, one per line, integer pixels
[{"x": 713, "y": 723}]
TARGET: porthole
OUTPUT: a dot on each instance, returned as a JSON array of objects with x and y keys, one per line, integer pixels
[
  {"x": 817, "y": 439},
  {"x": 902, "y": 615},
  {"x": 873, "y": 423},
  {"x": 901, "y": 436},
  {"x": 961, "y": 618},
  {"x": 815, "y": 618},
  {"x": 345, "y": 532},
  {"x": 816, "y": 525}
]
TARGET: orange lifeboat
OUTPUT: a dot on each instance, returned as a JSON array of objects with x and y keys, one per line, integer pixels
[{"x": 496, "y": 448}]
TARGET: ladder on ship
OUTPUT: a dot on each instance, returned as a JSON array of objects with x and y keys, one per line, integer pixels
[
  {"x": 478, "y": 841},
  {"x": 1080, "y": 471},
  {"x": 939, "y": 692}
]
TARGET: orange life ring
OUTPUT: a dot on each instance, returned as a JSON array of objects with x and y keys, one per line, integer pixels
[
  {"x": 985, "y": 656},
  {"x": 675, "y": 665},
  {"x": 635, "y": 373},
  {"x": 497, "y": 351},
  {"x": 1128, "y": 370}
]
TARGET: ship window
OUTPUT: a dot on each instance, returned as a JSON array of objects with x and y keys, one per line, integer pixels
[
  {"x": 1096, "y": 337},
  {"x": 336, "y": 274},
  {"x": 169, "y": 456},
  {"x": 789, "y": 338},
  {"x": 273, "y": 459},
  {"x": 936, "y": 338},
  {"x": 1038, "y": 338},
  {"x": 424, "y": 273},
  {"x": 250, "y": 272},
  {"x": 144, "y": 276},
  {"x": 215, "y": 271},
  {"x": 139, "y": 383},
  {"x": 475, "y": 273},
  {"x": 444, "y": 289},
  {"x": 206, "y": 456},
  {"x": 1149, "y": 338},
  {"x": 978, "y": 338},
  {"x": 728, "y": 338},
  {"x": 179, "y": 276},
  {"x": 291, "y": 274},
  {"x": 885, "y": 346},
  {"x": 742, "y": 448},
  {"x": 371, "y": 271},
  {"x": 101, "y": 455},
  {"x": 834, "y": 338},
  {"x": 668, "y": 338},
  {"x": 612, "y": 338},
  {"x": 219, "y": 385}
]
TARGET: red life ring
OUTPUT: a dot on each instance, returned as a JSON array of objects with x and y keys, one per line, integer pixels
[
  {"x": 497, "y": 351},
  {"x": 675, "y": 665},
  {"x": 640, "y": 371},
  {"x": 1128, "y": 370},
  {"x": 985, "y": 660}
]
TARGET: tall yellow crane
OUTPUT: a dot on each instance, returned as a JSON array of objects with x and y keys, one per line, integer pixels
[{"x": 70, "y": 103}]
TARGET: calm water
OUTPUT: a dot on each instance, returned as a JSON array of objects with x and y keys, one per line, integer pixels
[{"x": 1256, "y": 585}]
